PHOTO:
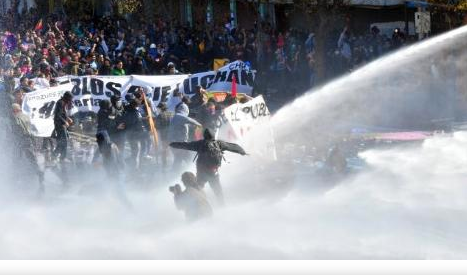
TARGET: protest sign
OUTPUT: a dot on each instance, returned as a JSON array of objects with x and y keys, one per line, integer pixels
[
  {"x": 249, "y": 125},
  {"x": 88, "y": 91},
  {"x": 40, "y": 105}
]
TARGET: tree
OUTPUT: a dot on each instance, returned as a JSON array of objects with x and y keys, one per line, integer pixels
[
  {"x": 323, "y": 15},
  {"x": 452, "y": 10},
  {"x": 199, "y": 11}
]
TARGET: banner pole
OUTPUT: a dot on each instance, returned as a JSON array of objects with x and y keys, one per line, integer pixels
[{"x": 152, "y": 127}]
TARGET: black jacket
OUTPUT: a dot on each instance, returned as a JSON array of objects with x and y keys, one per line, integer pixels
[
  {"x": 133, "y": 121},
  {"x": 60, "y": 115},
  {"x": 201, "y": 146},
  {"x": 105, "y": 122}
]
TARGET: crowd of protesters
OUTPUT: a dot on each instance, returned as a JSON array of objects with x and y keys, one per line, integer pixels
[
  {"x": 46, "y": 48},
  {"x": 57, "y": 45}
]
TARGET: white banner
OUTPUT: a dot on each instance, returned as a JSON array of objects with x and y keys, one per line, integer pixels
[
  {"x": 40, "y": 105},
  {"x": 88, "y": 91},
  {"x": 249, "y": 125},
  {"x": 212, "y": 81}
]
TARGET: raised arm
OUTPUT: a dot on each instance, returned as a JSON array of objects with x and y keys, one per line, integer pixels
[
  {"x": 189, "y": 120},
  {"x": 232, "y": 147},
  {"x": 192, "y": 146}
]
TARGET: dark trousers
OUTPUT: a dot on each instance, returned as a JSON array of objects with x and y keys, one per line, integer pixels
[
  {"x": 62, "y": 142},
  {"x": 119, "y": 139},
  {"x": 135, "y": 146},
  {"x": 214, "y": 182}
]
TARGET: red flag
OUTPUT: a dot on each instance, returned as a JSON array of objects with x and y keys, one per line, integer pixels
[
  {"x": 38, "y": 26},
  {"x": 234, "y": 86}
]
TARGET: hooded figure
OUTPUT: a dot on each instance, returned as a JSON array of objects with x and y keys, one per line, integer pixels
[
  {"x": 179, "y": 130},
  {"x": 105, "y": 119},
  {"x": 209, "y": 158},
  {"x": 179, "y": 126}
]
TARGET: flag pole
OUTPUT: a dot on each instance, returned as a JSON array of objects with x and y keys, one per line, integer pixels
[{"x": 152, "y": 126}]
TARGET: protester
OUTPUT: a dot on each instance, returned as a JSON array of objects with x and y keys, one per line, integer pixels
[
  {"x": 179, "y": 131},
  {"x": 106, "y": 126},
  {"x": 34, "y": 55},
  {"x": 118, "y": 70},
  {"x": 197, "y": 101},
  {"x": 18, "y": 96},
  {"x": 192, "y": 200},
  {"x": 210, "y": 153},
  {"x": 171, "y": 70},
  {"x": 145, "y": 138},
  {"x": 209, "y": 117},
  {"x": 105, "y": 119},
  {"x": 111, "y": 156},
  {"x": 118, "y": 111},
  {"x": 134, "y": 130},
  {"x": 61, "y": 122},
  {"x": 162, "y": 124}
]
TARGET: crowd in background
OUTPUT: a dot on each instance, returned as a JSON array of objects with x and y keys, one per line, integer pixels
[
  {"x": 36, "y": 48},
  {"x": 52, "y": 46}
]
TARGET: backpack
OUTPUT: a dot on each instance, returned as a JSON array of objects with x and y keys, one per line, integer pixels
[{"x": 212, "y": 155}]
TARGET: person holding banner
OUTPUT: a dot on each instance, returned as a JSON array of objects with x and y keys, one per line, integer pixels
[{"x": 61, "y": 122}]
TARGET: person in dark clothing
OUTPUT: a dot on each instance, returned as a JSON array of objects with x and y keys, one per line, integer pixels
[
  {"x": 105, "y": 118},
  {"x": 134, "y": 129},
  {"x": 106, "y": 124},
  {"x": 209, "y": 159},
  {"x": 197, "y": 101},
  {"x": 106, "y": 68},
  {"x": 209, "y": 117},
  {"x": 138, "y": 67},
  {"x": 118, "y": 111},
  {"x": 61, "y": 122},
  {"x": 128, "y": 98},
  {"x": 23, "y": 84},
  {"x": 110, "y": 154},
  {"x": 145, "y": 138}
]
